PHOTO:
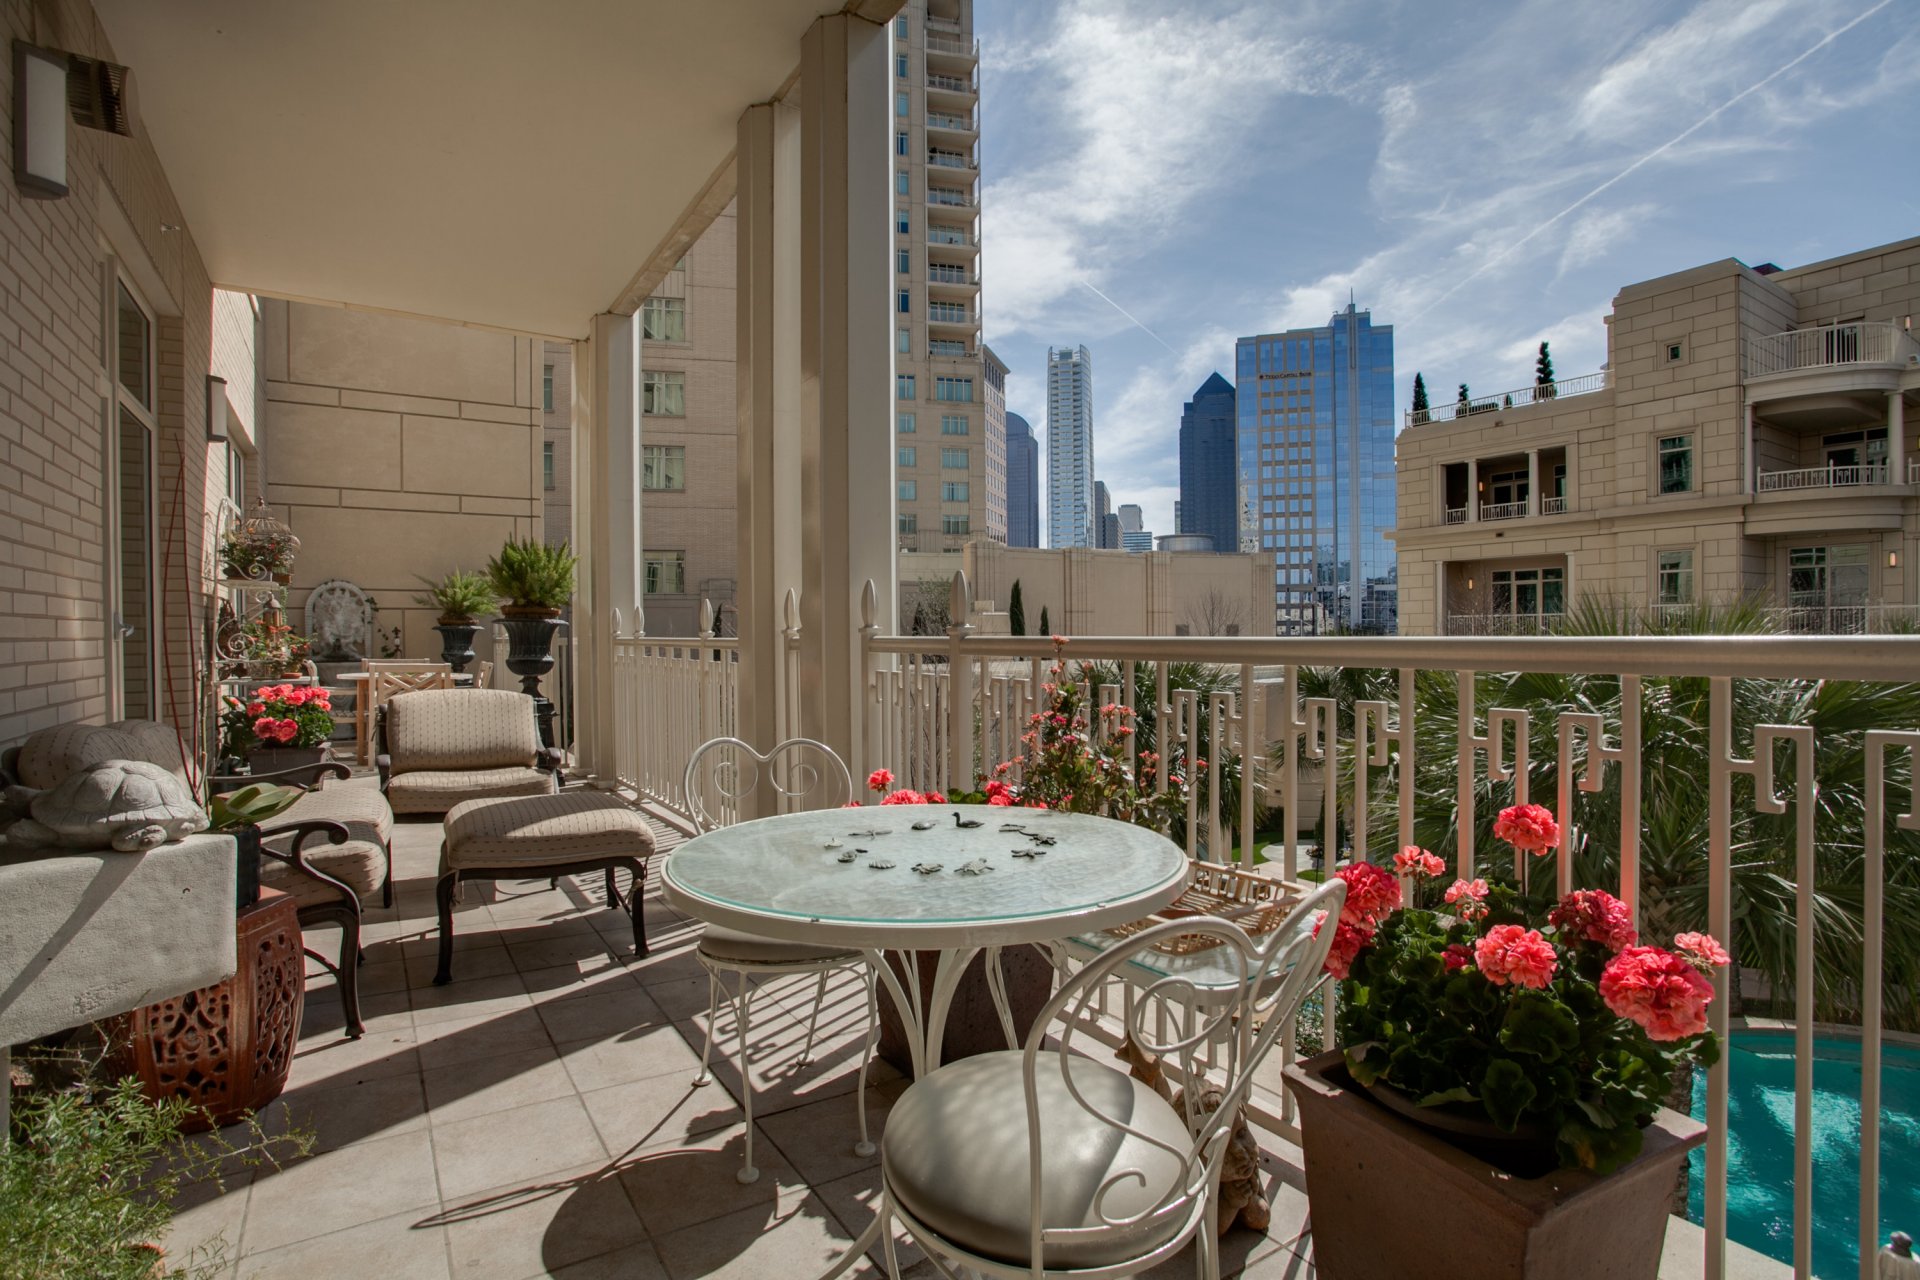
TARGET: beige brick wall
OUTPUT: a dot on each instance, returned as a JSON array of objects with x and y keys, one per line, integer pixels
[
  {"x": 1117, "y": 593},
  {"x": 55, "y": 655}
]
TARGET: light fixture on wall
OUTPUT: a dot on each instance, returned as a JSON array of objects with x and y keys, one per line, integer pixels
[
  {"x": 39, "y": 121},
  {"x": 1893, "y": 559},
  {"x": 216, "y": 409},
  {"x": 1469, "y": 584}
]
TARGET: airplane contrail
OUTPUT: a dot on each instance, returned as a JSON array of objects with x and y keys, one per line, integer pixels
[
  {"x": 1654, "y": 154},
  {"x": 1136, "y": 320}
]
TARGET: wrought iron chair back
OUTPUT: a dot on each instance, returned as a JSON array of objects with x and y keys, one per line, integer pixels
[
  {"x": 801, "y": 773},
  {"x": 1204, "y": 1041}
]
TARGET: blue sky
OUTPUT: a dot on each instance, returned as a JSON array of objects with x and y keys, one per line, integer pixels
[{"x": 1482, "y": 176}]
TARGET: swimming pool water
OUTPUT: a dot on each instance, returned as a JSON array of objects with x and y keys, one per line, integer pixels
[{"x": 1760, "y": 1148}]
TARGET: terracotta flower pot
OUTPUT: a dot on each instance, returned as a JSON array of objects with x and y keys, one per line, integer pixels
[{"x": 1392, "y": 1199}]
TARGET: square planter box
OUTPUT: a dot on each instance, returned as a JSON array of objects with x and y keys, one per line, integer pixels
[
  {"x": 275, "y": 759},
  {"x": 1390, "y": 1199}
]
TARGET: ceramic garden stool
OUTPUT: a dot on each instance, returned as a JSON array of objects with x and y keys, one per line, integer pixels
[{"x": 539, "y": 838}]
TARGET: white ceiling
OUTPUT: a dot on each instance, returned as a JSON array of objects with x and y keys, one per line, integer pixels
[{"x": 496, "y": 162}]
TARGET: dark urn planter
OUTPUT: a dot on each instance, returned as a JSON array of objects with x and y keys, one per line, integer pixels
[
  {"x": 275, "y": 759},
  {"x": 1361, "y": 1155},
  {"x": 973, "y": 1025},
  {"x": 530, "y": 656},
  {"x": 456, "y": 643}
]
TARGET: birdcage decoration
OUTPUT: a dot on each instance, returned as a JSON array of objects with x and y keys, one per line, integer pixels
[{"x": 260, "y": 547}]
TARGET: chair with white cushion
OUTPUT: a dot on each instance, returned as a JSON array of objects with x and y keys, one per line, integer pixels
[
  {"x": 803, "y": 774},
  {"x": 1044, "y": 1161}
]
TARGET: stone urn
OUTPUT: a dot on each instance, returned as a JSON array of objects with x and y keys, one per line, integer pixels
[
  {"x": 1565, "y": 1224},
  {"x": 456, "y": 641},
  {"x": 530, "y": 635}
]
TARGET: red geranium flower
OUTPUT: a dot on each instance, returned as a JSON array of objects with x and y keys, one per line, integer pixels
[
  {"x": 903, "y": 796},
  {"x": 1456, "y": 956},
  {"x": 1659, "y": 991},
  {"x": 1372, "y": 894},
  {"x": 1528, "y": 826},
  {"x": 1413, "y": 860},
  {"x": 879, "y": 779},
  {"x": 1595, "y": 916},
  {"x": 1516, "y": 954},
  {"x": 1349, "y": 940},
  {"x": 1702, "y": 950}
]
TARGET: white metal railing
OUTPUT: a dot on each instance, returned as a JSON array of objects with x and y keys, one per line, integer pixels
[
  {"x": 952, "y": 44},
  {"x": 939, "y": 235},
  {"x": 1824, "y": 477},
  {"x": 1519, "y": 398},
  {"x": 951, "y": 84},
  {"x": 1845, "y": 619},
  {"x": 949, "y": 159},
  {"x": 949, "y": 313},
  {"x": 941, "y": 120},
  {"x": 950, "y": 198},
  {"x": 1502, "y": 624},
  {"x": 1357, "y": 713},
  {"x": 1553, "y": 506},
  {"x": 1503, "y": 510},
  {"x": 1456, "y": 515},
  {"x": 1861, "y": 342},
  {"x": 939, "y": 273},
  {"x": 942, "y": 347}
]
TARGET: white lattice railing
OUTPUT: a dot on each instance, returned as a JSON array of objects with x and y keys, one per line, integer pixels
[
  {"x": 1824, "y": 477},
  {"x": 1553, "y": 506},
  {"x": 1503, "y": 510},
  {"x": 1861, "y": 342},
  {"x": 1519, "y": 398},
  {"x": 941, "y": 710}
]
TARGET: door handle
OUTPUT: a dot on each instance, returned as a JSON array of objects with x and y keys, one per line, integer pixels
[{"x": 120, "y": 625}]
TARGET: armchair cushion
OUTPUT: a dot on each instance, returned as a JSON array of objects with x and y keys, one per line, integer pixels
[
  {"x": 358, "y": 864},
  {"x": 359, "y": 807},
  {"x": 438, "y": 790},
  {"x": 461, "y": 729}
]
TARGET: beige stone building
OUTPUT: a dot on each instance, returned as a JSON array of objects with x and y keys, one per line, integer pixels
[
  {"x": 1747, "y": 436},
  {"x": 1089, "y": 592}
]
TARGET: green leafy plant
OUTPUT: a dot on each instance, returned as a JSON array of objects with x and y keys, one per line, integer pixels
[
  {"x": 281, "y": 715},
  {"x": 460, "y": 596},
  {"x": 533, "y": 576},
  {"x": 255, "y": 557},
  {"x": 1016, "y": 611},
  {"x": 251, "y": 806}
]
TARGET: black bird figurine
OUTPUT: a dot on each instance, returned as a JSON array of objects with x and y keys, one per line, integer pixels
[{"x": 966, "y": 823}]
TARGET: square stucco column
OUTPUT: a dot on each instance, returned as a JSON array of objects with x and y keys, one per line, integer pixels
[
  {"x": 606, "y": 527},
  {"x": 846, "y": 365},
  {"x": 767, "y": 387}
]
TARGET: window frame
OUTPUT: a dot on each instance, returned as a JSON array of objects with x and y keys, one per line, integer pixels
[
  {"x": 1681, "y": 572},
  {"x": 648, "y": 312},
  {"x": 653, "y": 563},
  {"x": 1683, "y": 449},
  {"x": 141, "y": 406},
  {"x": 658, "y": 462},
  {"x": 655, "y": 386}
]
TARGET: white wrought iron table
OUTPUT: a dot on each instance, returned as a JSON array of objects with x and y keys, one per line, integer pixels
[{"x": 818, "y": 877}]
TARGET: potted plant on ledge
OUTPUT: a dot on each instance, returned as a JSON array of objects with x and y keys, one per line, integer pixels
[
  {"x": 1501, "y": 1080},
  {"x": 277, "y": 727},
  {"x": 461, "y": 597},
  {"x": 536, "y": 582}
]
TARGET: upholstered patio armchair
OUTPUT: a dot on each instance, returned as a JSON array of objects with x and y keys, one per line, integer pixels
[{"x": 439, "y": 747}]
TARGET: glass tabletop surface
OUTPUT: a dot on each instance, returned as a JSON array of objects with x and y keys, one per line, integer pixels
[{"x": 871, "y": 866}]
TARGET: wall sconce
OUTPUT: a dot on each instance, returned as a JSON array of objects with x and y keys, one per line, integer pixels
[
  {"x": 216, "y": 409},
  {"x": 1893, "y": 559},
  {"x": 1469, "y": 584},
  {"x": 39, "y": 121}
]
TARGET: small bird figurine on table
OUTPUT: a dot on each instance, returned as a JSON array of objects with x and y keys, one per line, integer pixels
[{"x": 966, "y": 823}]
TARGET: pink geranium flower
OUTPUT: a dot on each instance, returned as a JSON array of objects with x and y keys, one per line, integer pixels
[
  {"x": 1702, "y": 950},
  {"x": 1659, "y": 991},
  {"x": 1349, "y": 940},
  {"x": 879, "y": 779},
  {"x": 1468, "y": 898},
  {"x": 1516, "y": 954},
  {"x": 1372, "y": 894},
  {"x": 1456, "y": 956},
  {"x": 265, "y": 728},
  {"x": 1593, "y": 915},
  {"x": 1413, "y": 860},
  {"x": 1528, "y": 826},
  {"x": 904, "y": 796}
]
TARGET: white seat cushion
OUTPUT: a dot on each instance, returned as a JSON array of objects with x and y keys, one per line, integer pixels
[
  {"x": 955, "y": 1155},
  {"x": 736, "y": 947}
]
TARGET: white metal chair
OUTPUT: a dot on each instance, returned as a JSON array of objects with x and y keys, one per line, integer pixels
[
  {"x": 804, "y": 774},
  {"x": 1097, "y": 1175}
]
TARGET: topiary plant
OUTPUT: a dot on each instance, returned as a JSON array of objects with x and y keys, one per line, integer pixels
[
  {"x": 461, "y": 596},
  {"x": 532, "y": 577}
]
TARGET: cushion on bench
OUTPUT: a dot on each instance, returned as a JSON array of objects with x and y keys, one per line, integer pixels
[
  {"x": 439, "y": 790},
  {"x": 543, "y": 831}
]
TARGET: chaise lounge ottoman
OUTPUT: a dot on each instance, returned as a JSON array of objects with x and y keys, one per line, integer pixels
[{"x": 541, "y": 837}]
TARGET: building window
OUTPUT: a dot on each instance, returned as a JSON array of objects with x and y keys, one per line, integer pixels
[
  {"x": 953, "y": 491},
  {"x": 900, "y": 186},
  {"x": 900, "y": 143},
  {"x": 955, "y": 459},
  {"x": 900, "y": 66},
  {"x": 664, "y": 320},
  {"x": 956, "y": 526},
  {"x": 903, "y": 262},
  {"x": 903, "y": 341},
  {"x": 907, "y": 455},
  {"x": 1529, "y": 597},
  {"x": 953, "y": 424},
  {"x": 1676, "y": 351},
  {"x": 900, "y": 107},
  {"x": 909, "y": 523},
  {"x": 666, "y": 572},
  {"x": 905, "y": 302},
  {"x": 546, "y": 461},
  {"x": 1823, "y": 579},
  {"x": 663, "y": 466},
  {"x": 908, "y": 490},
  {"x": 1676, "y": 464},
  {"x": 546, "y": 391},
  {"x": 900, "y": 27},
  {"x": 904, "y": 223},
  {"x": 906, "y": 423},
  {"x": 953, "y": 388},
  {"x": 903, "y": 386},
  {"x": 1675, "y": 577},
  {"x": 663, "y": 393}
]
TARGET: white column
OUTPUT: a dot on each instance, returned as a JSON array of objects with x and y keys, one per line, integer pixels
[
  {"x": 1533, "y": 482},
  {"x": 846, "y": 363},
  {"x": 1473, "y": 490},
  {"x": 607, "y": 524},
  {"x": 1749, "y": 465},
  {"x": 767, "y": 388},
  {"x": 1896, "y": 437}
]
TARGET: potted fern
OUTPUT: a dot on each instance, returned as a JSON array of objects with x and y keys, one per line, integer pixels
[
  {"x": 536, "y": 582},
  {"x": 462, "y": 596}
]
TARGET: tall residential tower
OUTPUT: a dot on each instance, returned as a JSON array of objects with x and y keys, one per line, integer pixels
[
  {"x": 1208, "y": 486},
  {"x": 1023, "y": 484},
  {"x": 1070, "y": 513},
  {"x": 1315, "y": 437}
]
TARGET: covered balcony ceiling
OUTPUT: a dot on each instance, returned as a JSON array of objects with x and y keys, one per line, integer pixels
[{"x": 512, "y": 165}]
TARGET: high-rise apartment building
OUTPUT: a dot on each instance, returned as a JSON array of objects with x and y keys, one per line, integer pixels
[
  {"x": 1131, "y": 518},
  {"x": 1023, "y": 483},
  {"x": 1070, "y": 512},
  {"x": 1747, "y": 436},
  {"x": 950, "y": 389},
  {"x": 1315, "y": 437},
  {"x": 1209, "y": 467},
  {"x": 1104, "y": 538}
]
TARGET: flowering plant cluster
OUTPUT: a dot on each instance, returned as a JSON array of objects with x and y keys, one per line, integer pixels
[
  {"x": 1571, "y": 1031},
  {"x": 881, "y": 781},
  {"x": 256, "y": 556},
  {"x": 281, "y": 715}
]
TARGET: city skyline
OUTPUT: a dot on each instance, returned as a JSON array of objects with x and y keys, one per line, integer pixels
[{"x": 1478, "y": 236}]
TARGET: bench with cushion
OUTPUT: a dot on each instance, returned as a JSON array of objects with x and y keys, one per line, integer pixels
[{"x": 439, "y": 747}]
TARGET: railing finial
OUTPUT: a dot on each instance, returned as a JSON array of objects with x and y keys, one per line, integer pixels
[
  {"x": 869, "y": 603},
  {"x": 792, "y": 610},
  {"x": 615, "y": 616},
  {"x": 959, "y": 598},
  {"x": 706, "y": 618}
]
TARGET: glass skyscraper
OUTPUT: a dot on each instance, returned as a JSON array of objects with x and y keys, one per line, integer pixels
[
  {"x": 1070, "y": 513},
  {"x": 1209, "y": 466},
  {"x": 1315, "y": 437},
  {"x": 1023, "y": 484}
]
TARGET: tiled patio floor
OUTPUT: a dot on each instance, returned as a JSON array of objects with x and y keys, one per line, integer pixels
[{"x": 536, "y": 1117}]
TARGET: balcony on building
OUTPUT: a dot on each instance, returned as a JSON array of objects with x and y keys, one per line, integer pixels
[
  {"x": 953, "y": 129},
  {"x": 1504, "y": 402},
  {"x": 952, "y": 94},
  {"x": 1510, "y": 486},
  {"x": 963, "y": 162},
  {"x": 948, "y": 281},
  {"x": 952, "y": 316},
  {"x": 1828, "y": 412},
  {"x": 951, "y": 52}
]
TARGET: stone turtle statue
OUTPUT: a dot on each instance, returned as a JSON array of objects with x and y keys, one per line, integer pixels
[
  {"x": 127, "y": 805},
  {"x": 1241, "y": 1196}
]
